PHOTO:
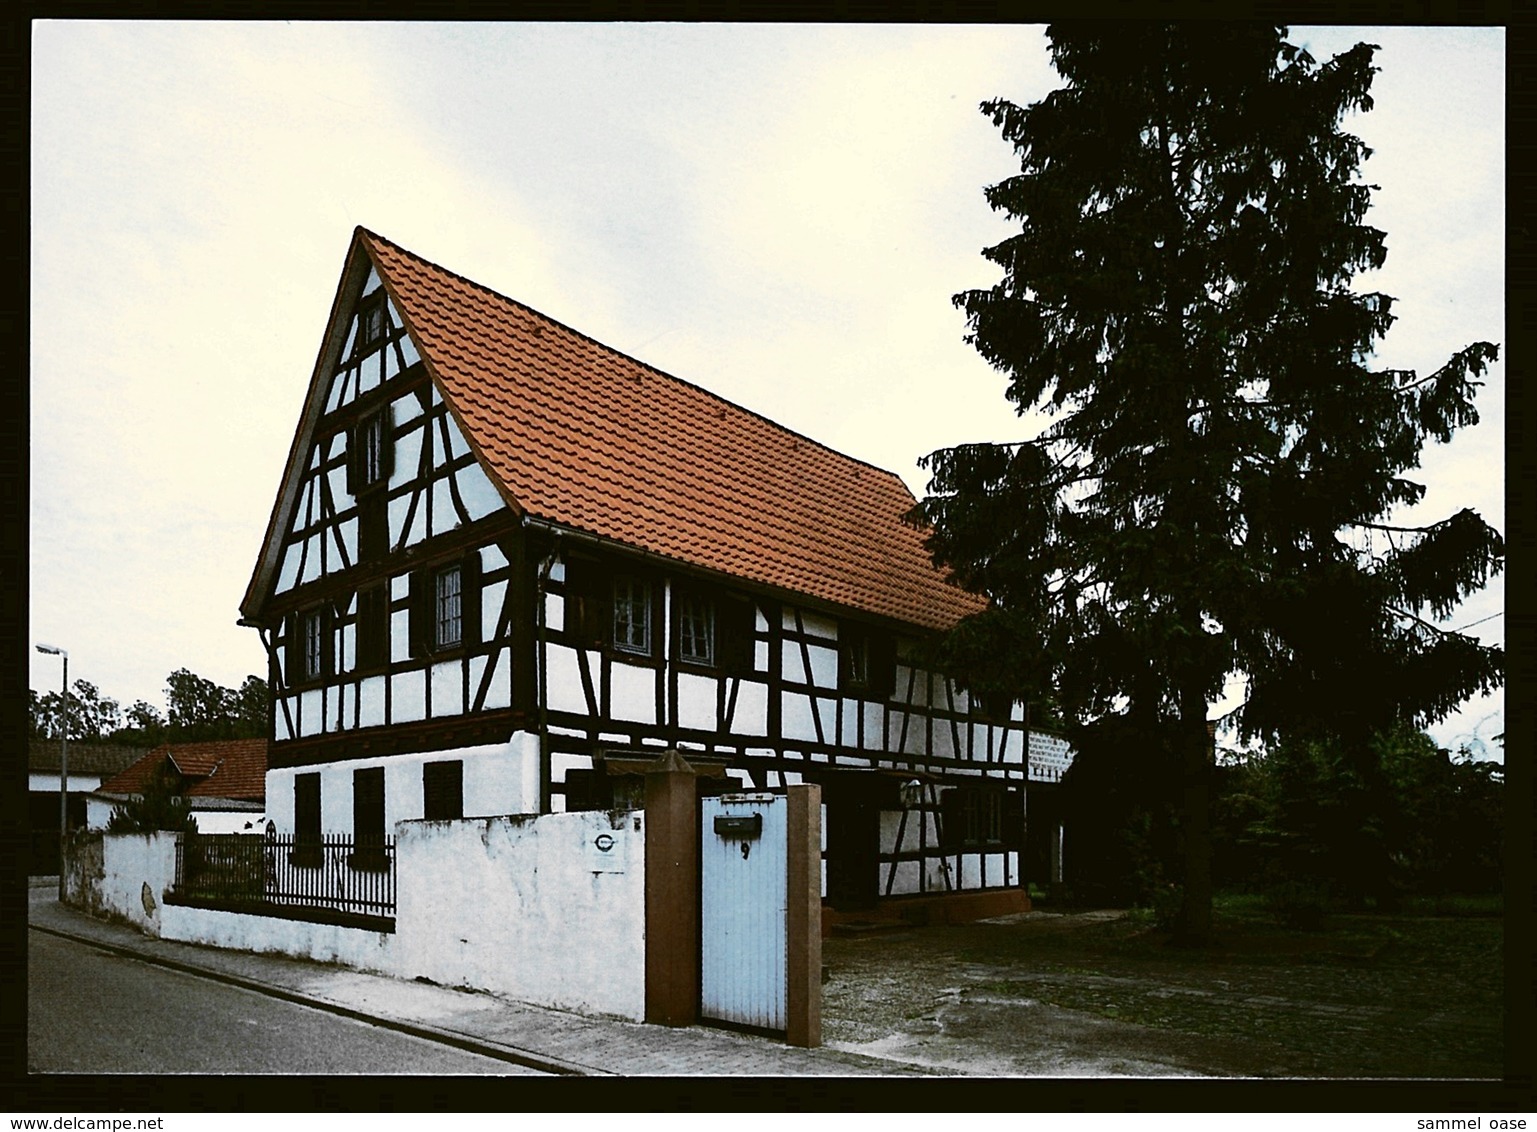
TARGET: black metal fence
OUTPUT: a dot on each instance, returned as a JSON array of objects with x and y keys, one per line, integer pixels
[{"x": 266, "y": 874}]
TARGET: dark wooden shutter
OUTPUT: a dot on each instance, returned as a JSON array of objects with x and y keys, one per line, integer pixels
[
  {"x": 327, "y": 617},
  {"x": 368, "y": 810},
  {"x": 386, "y": 444},
  {"x": 952, "y": 820},
  {"x": 883, "y": 665},
  {"x": 373, "y": 614},
  {"x": 735, "y": 621},
  {"x": 423, "y": 608},
  {"x": 443, "y": 790},
  {"x": 469, "y": 599},
  {"x": 288, "y": 637},
  {"x": 588, "y": 597},
  {"x": 353, "y": 476},
  {"x": 1014, "y": 819},
  {"x": 306, "y": 819},
  {"x": 373, "y": 526}
]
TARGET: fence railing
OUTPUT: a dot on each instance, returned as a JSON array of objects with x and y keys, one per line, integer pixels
[{"x": 333, "y": 873}]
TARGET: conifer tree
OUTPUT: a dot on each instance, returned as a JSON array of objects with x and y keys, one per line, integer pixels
[{"x": 1215, "y": 489}]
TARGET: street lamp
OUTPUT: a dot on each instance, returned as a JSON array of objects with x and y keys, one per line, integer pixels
[{"x": 54, "y": 650}]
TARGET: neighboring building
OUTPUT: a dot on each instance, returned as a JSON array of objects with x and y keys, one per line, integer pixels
[
  {"x": 225, "y": 780},
  {"x": 89, "y": 765},
  {"x": 507, "y": 565}
]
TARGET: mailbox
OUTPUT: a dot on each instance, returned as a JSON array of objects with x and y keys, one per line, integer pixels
[{"x": 745, "y": 827}]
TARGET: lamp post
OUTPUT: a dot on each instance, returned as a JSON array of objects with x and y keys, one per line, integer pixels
[{"x": 54, "y": 650}]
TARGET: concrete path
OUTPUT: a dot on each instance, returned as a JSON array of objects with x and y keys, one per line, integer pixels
[{"x": 522, "y": 1035}]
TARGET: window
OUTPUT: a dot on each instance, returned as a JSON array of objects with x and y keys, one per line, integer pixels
[
  {"x": 314, "y": 644},
  {"x": 445, "y": 606},
  {"x": 443, "y": 790},
  {"x": 368, "y": 818},
  {"x": 373, "y": 638},
  {"x": 448, "y": 616},
  {"x": 696, "y": 629},
  {"x": 371, "y": 454},
  {"x": 866, "y": 662},
  {"x": 370, "y": 324},
  {"x": 632, "y": 615},
  {"x": 306, "y": 820},
  {"x": 972, "y": 816}
]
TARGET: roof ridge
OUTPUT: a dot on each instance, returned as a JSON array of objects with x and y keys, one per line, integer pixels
[{"x": 637, "y": 361}]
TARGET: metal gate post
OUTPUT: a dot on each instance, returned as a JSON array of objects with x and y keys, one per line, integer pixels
[
  {"x": 803, "y": 934},
  {"x": 672, "y": 892}
]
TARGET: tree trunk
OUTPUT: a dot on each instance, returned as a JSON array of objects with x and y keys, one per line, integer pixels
[{"x": 1192, "y": 928}]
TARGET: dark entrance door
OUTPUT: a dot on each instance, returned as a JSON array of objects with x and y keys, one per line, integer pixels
[{"x": 853, "y": 844}]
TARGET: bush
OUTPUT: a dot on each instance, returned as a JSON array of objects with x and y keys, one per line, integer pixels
[{"x": 1299, "y": 904}]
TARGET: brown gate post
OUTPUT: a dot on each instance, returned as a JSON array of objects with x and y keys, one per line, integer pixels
[
  {"x": 803, "y": 932},
  {"x": 672, "y": 892}
]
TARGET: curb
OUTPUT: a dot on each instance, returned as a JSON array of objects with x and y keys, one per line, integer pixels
[{"x": 510, "y": 1054}]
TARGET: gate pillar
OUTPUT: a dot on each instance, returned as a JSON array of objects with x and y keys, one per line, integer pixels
[
  {"x": 672, "y": 888},
  {"x": 803, "y": 934}
]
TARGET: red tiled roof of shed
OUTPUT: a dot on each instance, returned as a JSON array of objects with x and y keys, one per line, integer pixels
[
  {"x": 578, "y": 434},
  {"x": 224, "y": 768}
]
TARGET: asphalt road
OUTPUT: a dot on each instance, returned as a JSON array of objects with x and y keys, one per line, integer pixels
[{"x": 91, "y": 1011}]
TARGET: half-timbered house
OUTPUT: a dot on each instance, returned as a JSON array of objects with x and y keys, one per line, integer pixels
[{"x": 508, "y": 564}]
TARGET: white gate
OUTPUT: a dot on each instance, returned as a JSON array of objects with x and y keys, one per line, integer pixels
[{"x": 743, "y": 910}]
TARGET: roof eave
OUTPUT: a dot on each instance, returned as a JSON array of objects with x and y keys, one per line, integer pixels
[{"x": 254, "y": 603}]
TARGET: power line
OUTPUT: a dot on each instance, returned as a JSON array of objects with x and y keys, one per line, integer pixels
[{"x": 1480, "y": 621}]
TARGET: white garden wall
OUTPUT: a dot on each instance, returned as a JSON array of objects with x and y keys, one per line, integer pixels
[
  {"x": 122, "y": 876},
  {"x": 242, "y": 931},
  {"x": 548, "y": 910},
  {"x": 532, "y": 907}
]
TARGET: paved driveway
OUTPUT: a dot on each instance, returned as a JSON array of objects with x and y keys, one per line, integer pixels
[{"x": 1083, "y": 996}]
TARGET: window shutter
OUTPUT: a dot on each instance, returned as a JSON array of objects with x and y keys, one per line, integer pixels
[
  {"x": 327, "y": 640},
  {"x": 288, "y": 636},
  {"x": 352, "y": 460},
  {"x": 883, "y": 665},
  {"x": 951, "y": 819},
  {"x": 588, "y": 595},
  {"x": 734, "y": 624},
  {"x": 422, "y": 599},
  {"x": 386, "y": 443},
  {"x": 469, "y": 599},
  {"x": 443, "y": 790},
  {"x": 1014, "y": 819}
]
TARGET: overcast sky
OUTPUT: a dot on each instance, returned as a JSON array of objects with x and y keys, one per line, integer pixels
[{"x": 780, "y": 214}]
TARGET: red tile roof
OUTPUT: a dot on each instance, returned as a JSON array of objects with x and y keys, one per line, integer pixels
[
  {"x": 225, "y": 768},
  {"x": 583, "y": 436}
]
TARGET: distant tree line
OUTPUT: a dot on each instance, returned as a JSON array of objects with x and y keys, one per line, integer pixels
[{"x": 197, "y": 710}]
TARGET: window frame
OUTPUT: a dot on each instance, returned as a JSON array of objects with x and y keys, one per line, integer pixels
[
  {"x": 370, "y": 450},
  {"x": 873, "y": 651},
  {"x": 644, "y": 601},
  {"x": 705, "y": 608},
  {"x": 440, "y": 599},
  {"x": 369, "y": 310}
]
